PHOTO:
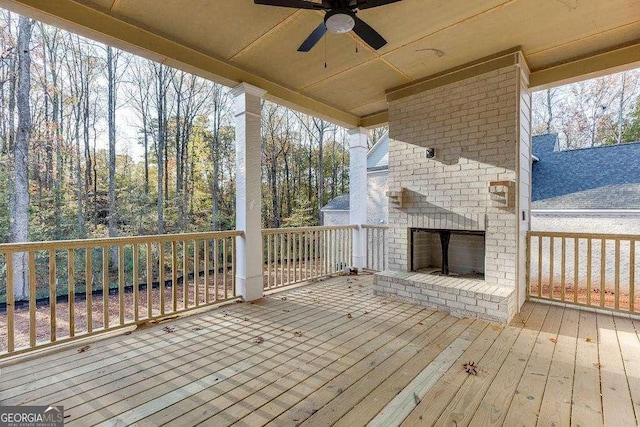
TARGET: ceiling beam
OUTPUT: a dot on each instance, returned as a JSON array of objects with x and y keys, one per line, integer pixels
[
  {"x": 104, "y": 27},
  {"x": 375, "y": 120},
  {"x": 595, "y": 65}
]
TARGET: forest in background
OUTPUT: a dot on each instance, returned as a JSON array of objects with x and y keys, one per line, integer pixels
[
  {"x": 119, "y": 145},
  {"x": 590, "y": 113}
]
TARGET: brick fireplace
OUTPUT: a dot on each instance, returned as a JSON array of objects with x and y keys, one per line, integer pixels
[{"x": 459, "y": 163}]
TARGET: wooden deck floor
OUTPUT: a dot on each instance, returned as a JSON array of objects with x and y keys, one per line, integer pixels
[{"x": 332, "y": 353}]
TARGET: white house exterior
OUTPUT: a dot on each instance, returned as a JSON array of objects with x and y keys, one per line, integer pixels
[{"x": 336, "y": 212}]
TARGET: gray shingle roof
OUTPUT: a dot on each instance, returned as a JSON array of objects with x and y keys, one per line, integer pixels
[
  {"x": 605, "y": 177},
  {"x": 338, "y": 203}
]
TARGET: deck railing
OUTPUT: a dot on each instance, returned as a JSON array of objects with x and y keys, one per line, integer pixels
[
  {"x": 376, "y": 247},
  {"x": 82, "y": 287},
  {"x": 78, "y": 288},
  {"x": 294, "y": 255},
  {"x": 595, "y": 270}
]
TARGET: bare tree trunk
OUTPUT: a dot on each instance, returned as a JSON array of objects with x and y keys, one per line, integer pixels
[
  {"x": 621, "y": 110},
  {"x": 160, "y": 106},
  {"x": 19, "y": 202},
  {"x": 111, "y": 82}
]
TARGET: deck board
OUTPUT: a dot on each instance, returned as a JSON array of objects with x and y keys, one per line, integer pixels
[
  {"x": 616, "y": 397},
  {"x": 586, "y": 403},
  {"x": 525, "y": 406},
  {"x": 335, "y": 354}
]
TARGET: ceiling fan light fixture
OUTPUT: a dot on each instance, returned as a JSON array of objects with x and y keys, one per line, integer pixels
[{"x": 339, "y": 21}]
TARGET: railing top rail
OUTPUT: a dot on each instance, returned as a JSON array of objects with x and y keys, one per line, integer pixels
[
  {"x": 288, "y": 230},
  {"x": 113, "y": 241},
  {"x": 584, "y": 235}
]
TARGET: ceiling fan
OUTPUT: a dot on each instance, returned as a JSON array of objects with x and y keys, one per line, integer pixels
[{"x": 340, "y": 17}]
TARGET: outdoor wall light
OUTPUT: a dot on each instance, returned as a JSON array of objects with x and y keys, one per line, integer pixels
[{"x": 431, "y": 153}]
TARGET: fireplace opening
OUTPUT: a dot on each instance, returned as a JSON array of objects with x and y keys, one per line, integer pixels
[{"x": 447, "y": 252}]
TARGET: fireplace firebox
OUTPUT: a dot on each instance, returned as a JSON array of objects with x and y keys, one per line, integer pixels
[{"x": 447, "y": 251}]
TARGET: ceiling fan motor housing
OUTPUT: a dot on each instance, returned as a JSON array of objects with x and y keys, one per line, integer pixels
[{"x": 339, "y": 21}]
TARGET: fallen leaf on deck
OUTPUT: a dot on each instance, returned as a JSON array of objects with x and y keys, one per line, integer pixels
[
  {"x": 127, "y": 333},
  {"x": 553, "y": 340},
  {"x": 169, "y": 329},
  {"x": 588, "y": 340},
  {"x": 420, "y": 323},
  {"x": 297, "y": 334},
  {"x": 349, "y": 315},
  {"x": 597, "y": 365},
  {"x": 83, "y": 349},
  {"x": 366, "y": 312},
  {"x": 283, "y": 298},
  {"x": 259, "y": 340},
  {"x": 197, "y": 328}
]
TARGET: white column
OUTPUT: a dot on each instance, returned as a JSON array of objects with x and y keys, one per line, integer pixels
[
  {"x": 358, "y": 192},
  {"x": 248, "y": 190}
]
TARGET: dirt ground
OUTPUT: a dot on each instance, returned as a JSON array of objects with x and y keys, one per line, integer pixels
[
  {"x": 582, "y": 297},
  {"x": 80, "y": 318}
]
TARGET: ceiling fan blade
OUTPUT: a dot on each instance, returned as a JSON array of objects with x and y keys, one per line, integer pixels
[
  {"x": 368, "y": 34},
  {"x": 367, "y": 4},
  {"x": 296, "y": 4},
  {"x": 313, "y": 38}
]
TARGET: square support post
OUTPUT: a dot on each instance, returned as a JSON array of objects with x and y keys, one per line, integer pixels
[
  {"x": 358, "y": 192},
  {"x": 248, "y": 107}
]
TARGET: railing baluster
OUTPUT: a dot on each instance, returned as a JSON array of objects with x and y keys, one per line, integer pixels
[
  {"x": 234, "y": 289},
  {"x": 216, "y": 266},
  {"x": 632, "y": 275},
  {"x": 224, "y": 266},
  {"x": 71, "y": 291},
  {"x": 288, "y": 235},
  {"x": 563, "y": 269},
  {"x": 11, "y": 312},
  {"x": 174, "y": 275},
  {"x": 589, "y": 268},
  {"x": 53, "y": 293},
  {"x": 88, "y": 287},
  {"x": 576, "y": 257},
  {"x": 32, "y": 298},
  {"x": 136, "y": 290},
  {"x": 205, "y": 266},
  {"x": 161, "y": 248},
  {"x": 603, "y": 271},
  {"x": 528, "y": 265},
  {"x": 266, "y": 268},
  {"x": 121, "y": 283},
  {"x": 551, "y": 265},
  {"x": 196, "y": 273},
  {"x": 299, "y": 243},
  {"x": 185, "y": 277},
  {"x": 616, "y": 292},
  {"x": 540, "y": 240},
  {"x": 149, "y": 265},
  {"x": 281, "y": 236},
  {"x": 105, "y": 287},
  {"x": 275, "y": 260}
]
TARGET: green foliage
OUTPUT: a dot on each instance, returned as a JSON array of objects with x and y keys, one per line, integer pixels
[{"x": 302, "y": 215}]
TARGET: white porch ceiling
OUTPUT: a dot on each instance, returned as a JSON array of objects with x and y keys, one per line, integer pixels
[{"x": 235, "y": 40}]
